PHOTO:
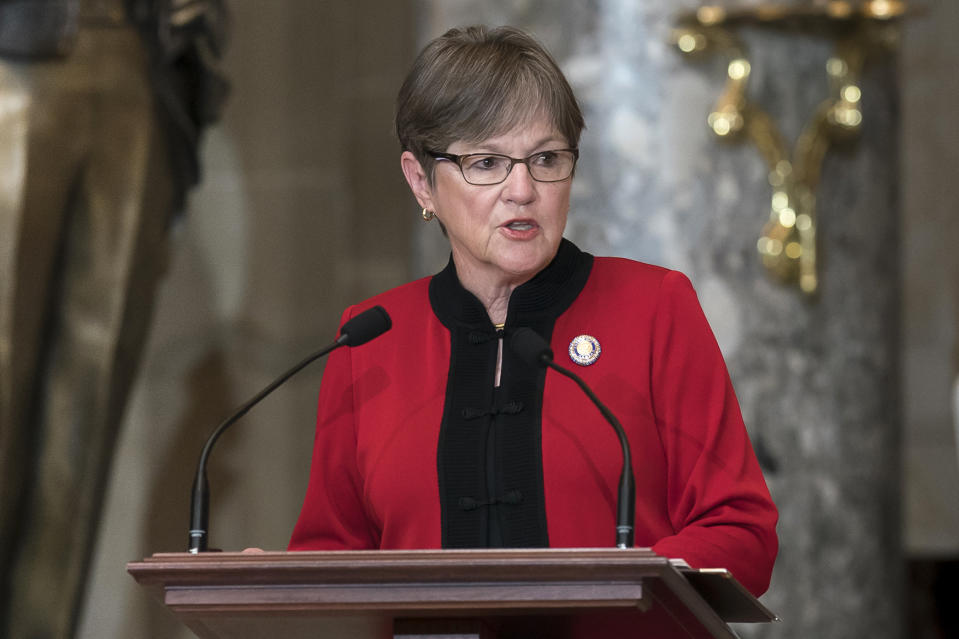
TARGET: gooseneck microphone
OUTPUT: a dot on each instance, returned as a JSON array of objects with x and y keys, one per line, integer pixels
[
  {"x": 359, "y": 330},
  {"x": 533, "y": 349}
]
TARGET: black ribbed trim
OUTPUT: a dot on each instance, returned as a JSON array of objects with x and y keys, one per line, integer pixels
[{"x": 470, "y": 412}]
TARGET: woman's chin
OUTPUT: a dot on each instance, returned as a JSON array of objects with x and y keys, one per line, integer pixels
[{"x": 525, "y": 266}]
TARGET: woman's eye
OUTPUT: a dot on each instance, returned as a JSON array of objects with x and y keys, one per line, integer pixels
[
  {"x": 546, "y": 158},
  {"x": 485, "y": 163}
]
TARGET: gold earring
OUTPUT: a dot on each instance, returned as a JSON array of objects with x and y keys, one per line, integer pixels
[{"x": 428, "y": 215}]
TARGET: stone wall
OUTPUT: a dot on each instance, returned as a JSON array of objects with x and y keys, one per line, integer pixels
[{"x": 302, "y": 211}]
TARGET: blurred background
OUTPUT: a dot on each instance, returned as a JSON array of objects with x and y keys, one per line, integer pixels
[{"x": 850, "y": 395}]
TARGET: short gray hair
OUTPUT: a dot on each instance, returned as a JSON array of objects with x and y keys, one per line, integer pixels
[{"x": 475, "y": 83}]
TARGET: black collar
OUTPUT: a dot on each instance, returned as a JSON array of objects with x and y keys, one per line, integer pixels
[
  {"x": 546, "y": 295},
  {"x": 489, "y": 453}
]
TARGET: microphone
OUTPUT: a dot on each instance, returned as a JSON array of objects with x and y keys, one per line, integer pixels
[
  {"x": 359, "y": 330},
  {"x": 533, "y": 349}
]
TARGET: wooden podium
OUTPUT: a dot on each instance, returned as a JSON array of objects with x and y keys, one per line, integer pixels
[{"x": 478, "y": 594}]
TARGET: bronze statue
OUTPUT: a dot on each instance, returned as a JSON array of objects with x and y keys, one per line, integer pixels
[{"x": 101, "y": 106}]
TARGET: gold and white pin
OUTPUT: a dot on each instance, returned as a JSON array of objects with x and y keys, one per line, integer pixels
[{"x": 584, "y": 350}]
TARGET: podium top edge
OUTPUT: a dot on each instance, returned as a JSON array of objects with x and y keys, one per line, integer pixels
[
  {"x": 474, "y": 553},
  {"x": 297, "y": 564}
]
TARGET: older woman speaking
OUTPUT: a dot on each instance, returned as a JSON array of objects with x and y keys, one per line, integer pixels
[{"x": 436, "y": 436}]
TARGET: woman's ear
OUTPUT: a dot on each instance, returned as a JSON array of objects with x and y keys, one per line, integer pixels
[{"x": 417, "y": 179}]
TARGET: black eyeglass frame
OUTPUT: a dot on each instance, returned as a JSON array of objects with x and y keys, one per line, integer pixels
[{"x": 459, "y": 159}]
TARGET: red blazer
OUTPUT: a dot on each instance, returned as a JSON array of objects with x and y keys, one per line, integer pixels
[{"x": 700, "y": 494}]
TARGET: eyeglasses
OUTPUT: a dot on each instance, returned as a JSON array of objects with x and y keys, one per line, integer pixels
[{"x": 484, "y": 169}]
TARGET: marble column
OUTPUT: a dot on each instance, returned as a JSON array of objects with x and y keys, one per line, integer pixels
[{"x": 817, "y": 380}]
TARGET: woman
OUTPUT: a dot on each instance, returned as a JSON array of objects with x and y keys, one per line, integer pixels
[{"x": 435, "y": 435}]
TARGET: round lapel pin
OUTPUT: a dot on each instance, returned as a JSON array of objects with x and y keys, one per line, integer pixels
[{"x": 584, "y": 350}]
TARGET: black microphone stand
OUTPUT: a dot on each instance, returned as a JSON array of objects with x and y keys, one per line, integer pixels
[
  {"x": 531, "y": 347},
  {"x": 626, "y": 498},
  {"x": 360, "y": 329},
  {"x": 200, "y": 501}
]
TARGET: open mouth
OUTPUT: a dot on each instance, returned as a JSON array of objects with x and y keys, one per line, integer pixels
[{"x": 520, "y": 225}]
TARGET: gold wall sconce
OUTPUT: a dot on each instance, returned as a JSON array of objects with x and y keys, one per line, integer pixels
[{"x": 787, "y": 245}]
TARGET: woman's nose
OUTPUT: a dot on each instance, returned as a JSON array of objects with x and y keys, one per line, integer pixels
[{"x": 520, "y": 186}]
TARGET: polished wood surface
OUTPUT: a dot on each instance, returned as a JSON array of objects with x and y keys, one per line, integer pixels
[{"x": 517, "y": 593}]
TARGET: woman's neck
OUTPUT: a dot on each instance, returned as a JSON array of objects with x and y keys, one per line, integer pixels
[{"x": 492, "y": 289}]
